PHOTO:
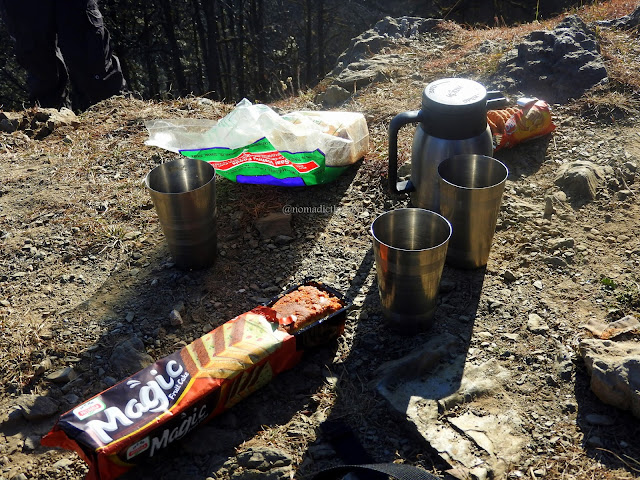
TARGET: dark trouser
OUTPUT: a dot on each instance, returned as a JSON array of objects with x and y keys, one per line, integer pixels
[{"x": 58, "y": 40}]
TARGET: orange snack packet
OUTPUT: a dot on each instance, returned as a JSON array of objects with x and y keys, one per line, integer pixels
[{"x": 514, "y": 125}]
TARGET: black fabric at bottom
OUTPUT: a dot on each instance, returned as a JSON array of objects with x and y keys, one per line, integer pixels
[{"x": 394, "y": 470}]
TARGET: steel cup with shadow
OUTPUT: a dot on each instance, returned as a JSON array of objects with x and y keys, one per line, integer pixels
[
  {"x": 471, "y": 188},
  {"x": 410, "y": 246},
  {"x": 184, "y": 195}
]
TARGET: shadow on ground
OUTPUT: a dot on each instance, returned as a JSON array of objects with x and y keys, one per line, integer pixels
[{"x": 136, "y": 300}]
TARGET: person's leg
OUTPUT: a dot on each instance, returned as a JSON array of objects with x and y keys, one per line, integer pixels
[
  {"x": 85, "y": 44},
  {"x": 31, "y": 24}
]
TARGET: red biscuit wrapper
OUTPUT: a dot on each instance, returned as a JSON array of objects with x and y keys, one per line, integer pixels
[
  {"x": 514, "y": 125},
  {"x": 135, "y": 420}
]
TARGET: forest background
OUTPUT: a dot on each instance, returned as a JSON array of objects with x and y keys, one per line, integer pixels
[{"x": 260, "y": 49}]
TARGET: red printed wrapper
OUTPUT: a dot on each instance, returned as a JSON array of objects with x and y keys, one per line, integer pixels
[
  {"x": 133, "y": 422},
  {"x": 530, "y": 121}
]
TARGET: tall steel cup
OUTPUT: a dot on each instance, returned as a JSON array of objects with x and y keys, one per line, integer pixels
[
  {"x": 471, "y": 188},
  {"x": 184, "y": 195},
  {"x": 410, "y": 246}
]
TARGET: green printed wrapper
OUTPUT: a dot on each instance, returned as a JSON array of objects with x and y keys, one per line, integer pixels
[{"x": 261, "y": 163}]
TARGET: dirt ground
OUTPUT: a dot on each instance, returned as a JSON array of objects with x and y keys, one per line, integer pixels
[{"x": 84, "y": 266}]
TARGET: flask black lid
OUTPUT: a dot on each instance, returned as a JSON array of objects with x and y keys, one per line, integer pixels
[{"x": 454, "y": 108}]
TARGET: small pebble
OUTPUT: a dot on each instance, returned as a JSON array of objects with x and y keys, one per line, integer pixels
[
  {"x": 175, "y": 318},
  {"x": 509, "y": 276},
  {"x": 599, "y": 420}
]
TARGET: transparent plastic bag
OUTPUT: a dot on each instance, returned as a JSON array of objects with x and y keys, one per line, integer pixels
[{"x": 253, "y": 144}]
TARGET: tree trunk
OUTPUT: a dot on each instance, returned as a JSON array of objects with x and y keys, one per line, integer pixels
[
  {"x": 238, "y": 47},
  {"x": 308, "y": 38},
  {"x": 200, "y": 43},
  {"x": 212, "y": 59},
  {"x": 226, "y": 54},
  {"x": 260, "y": 85},
  {"x": 169, "y": 29},
  {"x": 320, "y": 30},
  {"x": 147, "y": 36}
]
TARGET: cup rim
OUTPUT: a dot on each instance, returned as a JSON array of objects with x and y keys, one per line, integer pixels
[
  {"x": 463, "y": 187},
  {"x": 186, "y": 160},
  {"x": 431, "y": 212}
]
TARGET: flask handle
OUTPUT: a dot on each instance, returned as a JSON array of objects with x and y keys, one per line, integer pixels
[{"x": 413, "y": 116}]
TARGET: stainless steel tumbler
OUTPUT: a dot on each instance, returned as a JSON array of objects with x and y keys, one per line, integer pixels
[
  {"x": 471, "y": 188},
  {"x": 410, "y": 246},
  {"x": 184, "y": 195}
]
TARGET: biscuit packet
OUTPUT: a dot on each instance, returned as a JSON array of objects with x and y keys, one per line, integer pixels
[
  {"x": 511, "y": 126},
  {"x": 143, "y": 416}
]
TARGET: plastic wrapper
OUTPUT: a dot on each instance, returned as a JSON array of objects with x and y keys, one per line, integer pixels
[
  {"x": 511, "y": 126},
  {"x": 253, "y": 144},
  {"x": 134, "y": 421}
]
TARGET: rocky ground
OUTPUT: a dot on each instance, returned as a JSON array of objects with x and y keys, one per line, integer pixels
[{"x": 87, "y": 291}]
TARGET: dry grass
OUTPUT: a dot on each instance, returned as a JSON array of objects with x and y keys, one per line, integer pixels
[
  {"x": 607, "y": 10},
  {"x": 19, "y": 345}
]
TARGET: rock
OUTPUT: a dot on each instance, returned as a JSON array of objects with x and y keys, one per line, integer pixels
[
  {"x": 614, "y": 329},
  {"x": 381, "y": 35},
  {"x": 599, "y": 420},
  {"x": 622, "y": 195},
  {"x": 64, "y": 375},
  {"x": 360, "y": 74},
  {"x": 548, "y": 206},
  {"x": 283, "y": 473},
  {"x": 71, "y": 398},
  {"x": 179, "y": 307},
  {"x": 494, "y": 305},
  {"x": 536, "y": 324},
  {"x": 334, "y": 96},
  {"x": 361, "y": 64},
  {"x": 555, "y": 66},
  {"x": 404, "y": 170},
  {"x": 322, "y": 451},
  {"x": 263, "y": 458},
  {"x": 421, "y": 387},
  {"x": 31, "y": 443},
  {"x": 580, "y": 180},
  {"x": 129, "y": 356},
  {"x": 555, "y": 261},
  {"x": 627, "y": 22},
  {"x": 283, "y": 240},
  {"x": 202, "y": 101},
  {"x": 561, "y": 243},
  {"x": 11, "y": 121},
  {"x": 63, "y": 463},
  {"x": 36, "y": 407},
  {"x": 560, "y": 196},
  {"x": 594, "y": 441},
  {"x": 43, "y": 366},
  {"x": 509, "y": 276},
  {"x": 447, "y": 286},
  {"x": 274, "y": 224},
  {"x": 175, "y": 318},
  {"x": 615, "y": 372},
  {"x": 57, "y": 118},
  {"x": 42, "y": 132}
]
